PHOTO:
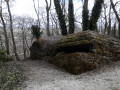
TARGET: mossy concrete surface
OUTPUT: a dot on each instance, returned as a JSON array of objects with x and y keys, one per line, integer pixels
[
  {"x": 79, "y": 52},
  {"x": 85, "y": 51},
  {"x": 41, "y": 48},
  {"x": 78, "y": 62},
  {"x": 95, "y": 42}
]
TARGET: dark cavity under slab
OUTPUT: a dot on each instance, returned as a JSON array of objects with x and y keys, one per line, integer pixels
[{"x": 76, "y": 48}]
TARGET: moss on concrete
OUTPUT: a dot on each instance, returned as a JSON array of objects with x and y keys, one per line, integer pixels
[{"x": 103, "y": 50}]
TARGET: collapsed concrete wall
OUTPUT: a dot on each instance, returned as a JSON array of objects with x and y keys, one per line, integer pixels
[{"x": 79, "y": 52}]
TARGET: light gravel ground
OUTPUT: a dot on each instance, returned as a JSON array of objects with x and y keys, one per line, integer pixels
[{"x": 44, "y": 76}]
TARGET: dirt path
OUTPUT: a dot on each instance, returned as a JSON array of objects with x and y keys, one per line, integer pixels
[{"x": 44, "y": 76}]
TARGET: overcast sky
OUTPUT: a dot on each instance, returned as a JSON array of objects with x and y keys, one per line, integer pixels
[{"x": 25, "y": 7}]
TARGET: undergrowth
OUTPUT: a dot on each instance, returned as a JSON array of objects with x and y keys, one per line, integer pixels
[{"x": 11, "y": 76}]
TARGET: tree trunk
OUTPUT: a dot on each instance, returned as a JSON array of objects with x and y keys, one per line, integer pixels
[
  {"x": 1, "y": 43},
  {"x": 48, "y": 24},
  {"x": 106, "y": 24},
  {"x": 113, "y": 7},
  {"x": 23, "y": 37},
  {"x": 119, "y": 30},
  {"x": 61, "y": 17},
  {"x": 114, "y": 30},
  {"x": 38, "y": 16},
  {"x": 5, "y": 33},
  {"x": 96, "y": 11},
  {"x": 105, "y": 27},
  {"x": 11, "y": 29},
  {"x": 48, "y": 14},
  {"x": 57, "y": 29},
  {"x": 71, "y": 17},
  {"x": 63, "y": 6},
  {"x": 117, "y": 16},
  {"x": 109, "y": 27},
  {"x": 37, "y": 13},
  {"x": 28, "y": 48},
  {"x": 56, "y": 24},
  {"x": 85, "y": 16}
]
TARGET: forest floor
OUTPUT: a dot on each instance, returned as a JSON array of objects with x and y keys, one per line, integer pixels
[{"x": 44, "y": 76}]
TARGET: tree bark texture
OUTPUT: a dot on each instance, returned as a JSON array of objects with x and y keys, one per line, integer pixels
[
  {"x": 5, "y": 33},
  {"x": 11, "y": 29},
  {"x": 85, "y": 19},
  {"x": 96, "y": 11},
  {"x": 117, "y": 16},
  {"x": 48, "y": 15},
  {"x": 61, "y": 17},
  {"x": 71, "y": 17}
]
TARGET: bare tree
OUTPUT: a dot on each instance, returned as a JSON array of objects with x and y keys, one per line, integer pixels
[
  {"x": 114, "y": 30},
  {"x": 61, "y": 17},
  {"x": 4, "y": 29},
  {"x": 116, "y": 14},
  {"x": 48, "y": 6},
  {"x": 37, "y": 12},
  {"x": 109, "y": 19},
  {"x": 71, "y": 17},
  {"x": 56, "y": 23},
  {"x": 105, "y": 18},
  {"x": 96, "y": 11},
  {"x": 11, "y": 29},
  {"x": 63, "y": 3},
  {"x": 21, "y": 23},
  {"x": 1, "y": 43},
  {"x": 85, "y": 19}
]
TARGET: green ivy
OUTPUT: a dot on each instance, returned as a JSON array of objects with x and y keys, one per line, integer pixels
[
  {"x": 36, "y": 31},
  {"x": 3, "y": 56}
]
